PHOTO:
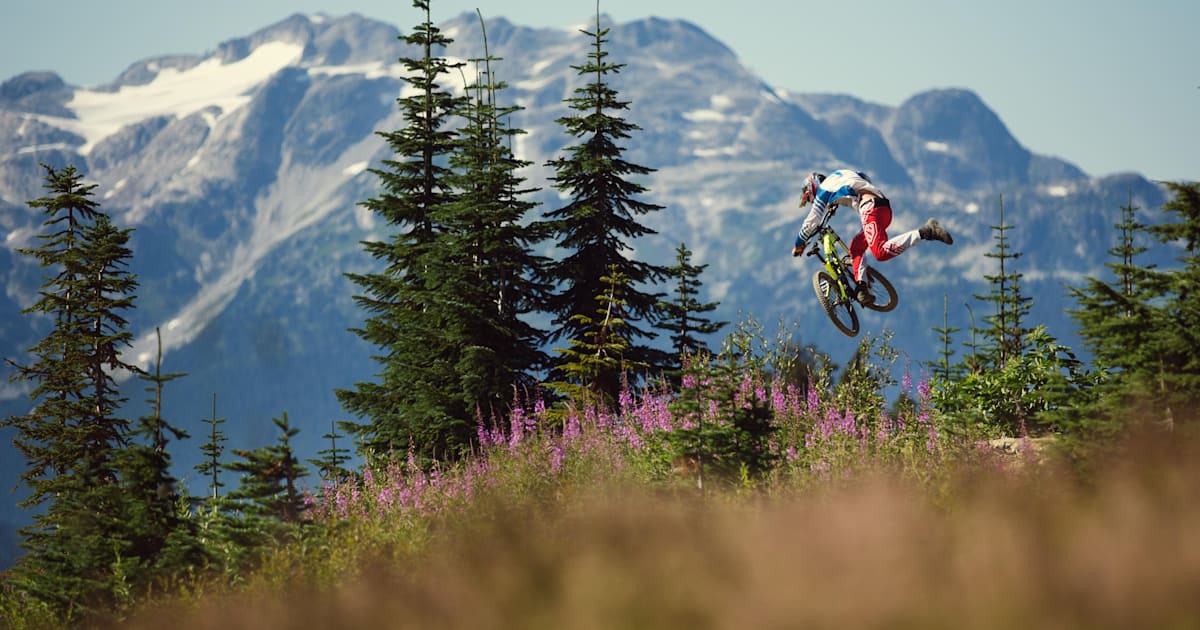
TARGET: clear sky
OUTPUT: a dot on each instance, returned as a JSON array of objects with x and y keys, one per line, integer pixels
[{"x": 1109, "y": 85}]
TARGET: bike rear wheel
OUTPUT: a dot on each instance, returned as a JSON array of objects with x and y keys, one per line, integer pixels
[
  {"x": 885, "y": 294},
  {"x": 840, "y": 311}
]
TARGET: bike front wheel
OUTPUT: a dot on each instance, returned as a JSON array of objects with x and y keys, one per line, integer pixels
[
  {"x": 839, "y": 309},
  {"x": 885, "y": 294}
]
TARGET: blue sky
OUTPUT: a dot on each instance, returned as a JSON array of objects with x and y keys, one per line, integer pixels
[{"x": 1108, "y": 85}]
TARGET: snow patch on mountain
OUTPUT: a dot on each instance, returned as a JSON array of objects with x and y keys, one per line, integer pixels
[
  {"x": 375, "y": 70},
  {"x": 172, "y": 92}
]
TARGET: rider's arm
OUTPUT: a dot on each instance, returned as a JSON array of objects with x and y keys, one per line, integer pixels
[{"x": 816, "y": 216}]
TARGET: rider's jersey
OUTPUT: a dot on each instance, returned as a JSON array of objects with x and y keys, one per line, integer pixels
[{"x": 843, "y": 187}]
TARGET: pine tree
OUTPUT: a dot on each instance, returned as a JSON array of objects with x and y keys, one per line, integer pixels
[
  {"x": 1142, "y": 328},
  {"x": 1110, "y": 317},
  {"x": 71, "y": 438},
  {"x": 597, "y": 226},
  {"x": 683, "y": 317},
  {"x": 410, "y": 402}
]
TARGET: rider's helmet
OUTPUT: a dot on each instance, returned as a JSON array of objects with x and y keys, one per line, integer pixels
[{"x": 813, "y": 180}]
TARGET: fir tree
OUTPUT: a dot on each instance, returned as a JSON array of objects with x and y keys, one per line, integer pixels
[
  {"x": 330, "y": 466},
  {"x": 77, "y": 547},
  {"x": 160, "y": 534},
  {"x": 410, "y": 403},
  {"x": 601, "y": 220},
  {"x": 265, "y": 507},
  {"x": 1006, "y": 329},
  {"x": 1143, "y": 327},
  {"x": 684, "y": 316},
  {"x": 486, "y": 271},
  {"x": 1111, "y": 321},
  {"x": 269, "y": 487},
  {"x": 596, "y": 363},
  {"x": 210, "y": 465},
  {"x": 942, "y": 366},
  {"x": 1170, "y": 362}
]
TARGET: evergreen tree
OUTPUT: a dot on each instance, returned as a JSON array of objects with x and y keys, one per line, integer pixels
[
  {"x": 412, "y": 402},
  {"x": 330, "y": 466},
  {"x": 598, "y": 224},
  {"x": 486, "y": 271},
  {"x": 942, "y": 366},
  {"x": 71, "y": 438},
  {"x": 160, "y": 534},
  {"x": 1169, "y": 364},
  {"x": 727, "y": 428},
  {"x": 684, "y": 317},
  {"x": 1111, "y": 323},
  {"x": 595, "y": 364},
  {"x": 265, "y": 507},
  {"x": 268, "y": 487},
  {"x": 1024, "y": 378},
  {"x": 1006, "y": 329},
  {"x": 1143, "y": 327},
  {"x": 210, "y": 466}
]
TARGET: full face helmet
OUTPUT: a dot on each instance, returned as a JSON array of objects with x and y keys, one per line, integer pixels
[{"x": 811, "y": 183}]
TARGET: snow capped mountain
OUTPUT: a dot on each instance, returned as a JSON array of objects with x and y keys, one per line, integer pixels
[{"x": 242, "y": 171}]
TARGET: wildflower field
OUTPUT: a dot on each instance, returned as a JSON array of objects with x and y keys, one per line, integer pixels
[{"x": 587, "y": 517}]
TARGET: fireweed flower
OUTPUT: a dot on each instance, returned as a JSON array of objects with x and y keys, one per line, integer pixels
[{"x": 516, "y": 427}]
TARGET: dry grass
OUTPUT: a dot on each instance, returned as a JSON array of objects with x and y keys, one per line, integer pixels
[{"x": 989, "y": 550}]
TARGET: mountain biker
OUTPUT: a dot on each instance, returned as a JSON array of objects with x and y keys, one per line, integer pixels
[{"x": 853, "y": 188}]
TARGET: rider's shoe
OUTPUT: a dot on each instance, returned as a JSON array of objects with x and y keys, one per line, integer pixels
[
  {"x": 862, "y": 293},
  {"x": 933, "y": 231}
]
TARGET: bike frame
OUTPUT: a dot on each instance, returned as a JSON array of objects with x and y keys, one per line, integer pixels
[{"x": 830, "y": 241}]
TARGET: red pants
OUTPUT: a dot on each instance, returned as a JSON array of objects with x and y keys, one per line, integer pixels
[{"x": 876, "y": 214}]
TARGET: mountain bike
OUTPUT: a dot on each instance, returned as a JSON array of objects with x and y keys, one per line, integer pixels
[{"x": 835, "y": 285}]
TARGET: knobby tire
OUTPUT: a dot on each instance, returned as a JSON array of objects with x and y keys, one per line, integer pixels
[
  {"x": 823, "y": 285},
  {"x": 881, "y": 287}
]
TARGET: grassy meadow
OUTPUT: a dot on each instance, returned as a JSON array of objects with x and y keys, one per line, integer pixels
[{"x": 584, "y": 520}]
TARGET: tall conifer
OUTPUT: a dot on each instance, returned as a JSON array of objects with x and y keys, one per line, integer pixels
[
  {"x": 72, "y": 437},
  {"x": 1006, "y": 331},
  {"x": 487, "y": 276},
  {"x": 684, "y": 315},
  {"x": 600, "y": 222},
  {"x": 409, "y": 403}
]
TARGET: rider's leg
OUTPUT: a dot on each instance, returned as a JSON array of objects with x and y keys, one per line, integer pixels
[
  {"x": 899, "y": 244},
  {"x": 876, "y": 214}
]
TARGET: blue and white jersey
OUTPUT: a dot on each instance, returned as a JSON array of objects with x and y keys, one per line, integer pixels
[{"x": 843, "y": 187}]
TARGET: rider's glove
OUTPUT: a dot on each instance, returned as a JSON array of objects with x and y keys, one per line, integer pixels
[{"x": 798, "y": 246}]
